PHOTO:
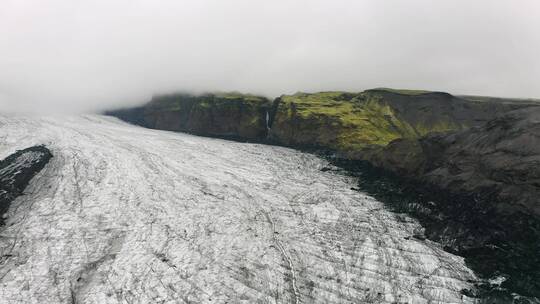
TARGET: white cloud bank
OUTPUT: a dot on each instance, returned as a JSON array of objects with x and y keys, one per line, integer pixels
[{"x": 82, "y": 55}]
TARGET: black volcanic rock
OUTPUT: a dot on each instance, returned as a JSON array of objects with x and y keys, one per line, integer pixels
[
  {"x": 17, "y": 170},
  {"x": 500, "y": 159}
]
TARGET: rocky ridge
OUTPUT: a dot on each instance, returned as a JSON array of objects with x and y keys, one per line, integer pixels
[
  {"x": 17, "y": 170},
  {"x": 343, "y": 122}
]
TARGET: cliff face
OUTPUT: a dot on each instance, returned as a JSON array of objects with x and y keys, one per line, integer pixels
[
  {"x": 349, "y": 123},
  {"x": 235, "y": 115},
  {"x": 336, "y": 121},
  {"x": 501, "y": 158},
  {"x": 342, "y": 122},
  {"x": 226, "y": 114}
]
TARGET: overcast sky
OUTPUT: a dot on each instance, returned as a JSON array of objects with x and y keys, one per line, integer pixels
[{"x": 82, "y": 55}]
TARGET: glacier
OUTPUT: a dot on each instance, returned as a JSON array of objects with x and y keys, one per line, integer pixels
[{"x": 124, "y": 214}]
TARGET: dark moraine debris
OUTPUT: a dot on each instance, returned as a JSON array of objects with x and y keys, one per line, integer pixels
[
  {"x": 476, "y": 191},
  {"x": 17, "y": 170},
  {"x": 502, "y": 248}
]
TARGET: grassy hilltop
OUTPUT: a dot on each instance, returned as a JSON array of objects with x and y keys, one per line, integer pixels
[{"x": 352, "y": 122}]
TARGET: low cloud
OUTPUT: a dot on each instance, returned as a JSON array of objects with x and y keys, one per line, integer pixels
[{"x": 78, "y": 55}]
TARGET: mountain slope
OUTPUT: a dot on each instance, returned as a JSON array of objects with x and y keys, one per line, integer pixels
[
  {"x": 348, "y": 123},
  {"x": 500, "y": 159},
  {"x": 342, "y": 122},
  {"x": 494, "y": 169}
]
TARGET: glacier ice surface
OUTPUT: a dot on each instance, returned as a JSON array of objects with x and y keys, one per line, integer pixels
[{"x": 123, "y": 214}]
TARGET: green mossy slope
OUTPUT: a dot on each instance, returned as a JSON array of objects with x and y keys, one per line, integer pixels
[
  {"x": 350, "y": 123},
  {"x": 336, "y": 120}
]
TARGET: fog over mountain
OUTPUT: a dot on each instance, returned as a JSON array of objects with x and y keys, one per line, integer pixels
[{"x": 73, "y": 56}]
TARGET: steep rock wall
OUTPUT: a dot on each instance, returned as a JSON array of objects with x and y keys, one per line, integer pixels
[{"x": 233, "y": 115}]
